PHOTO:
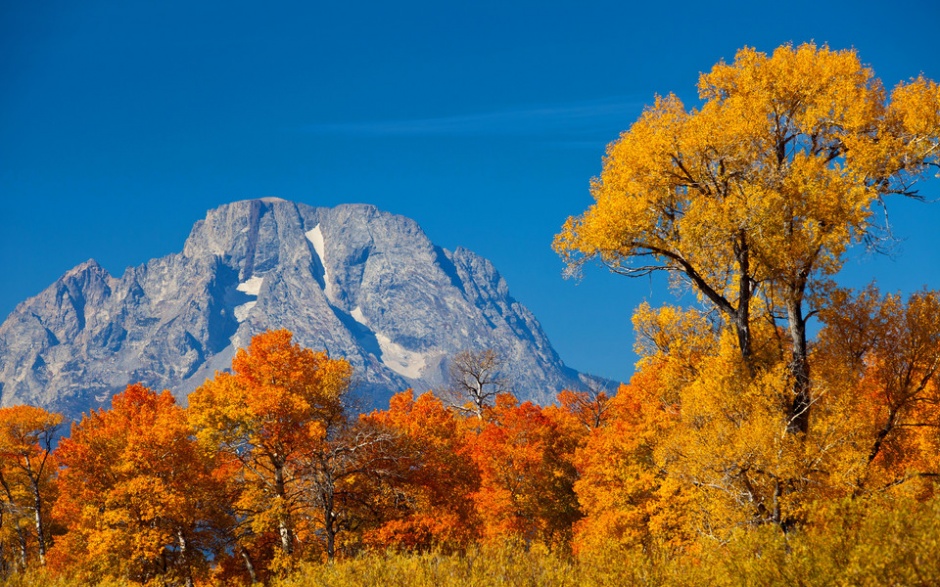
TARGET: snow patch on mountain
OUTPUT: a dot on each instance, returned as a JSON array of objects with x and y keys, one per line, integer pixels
[
  {"x": 406, "y": 363},
  {"x": 357, "y": 316},
  {"x": 315, "y": 236},
  {"x": 249, "y": 287},
  {"x": 252, "y": 286}
]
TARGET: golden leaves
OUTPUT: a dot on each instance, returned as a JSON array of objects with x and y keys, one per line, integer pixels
[{"x": 784, "y": 160}]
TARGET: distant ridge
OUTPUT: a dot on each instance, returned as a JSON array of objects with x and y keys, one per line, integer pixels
[{"x": 364, "y": 284}]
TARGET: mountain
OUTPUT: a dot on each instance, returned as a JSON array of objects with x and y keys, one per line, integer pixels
[{"x": 361, "y": 283}]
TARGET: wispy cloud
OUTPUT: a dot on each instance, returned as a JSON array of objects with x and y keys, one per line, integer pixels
[{"x": 559, "y": 120}]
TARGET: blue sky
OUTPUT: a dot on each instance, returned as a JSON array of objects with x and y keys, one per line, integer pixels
[{"x": 121, "y": 123}]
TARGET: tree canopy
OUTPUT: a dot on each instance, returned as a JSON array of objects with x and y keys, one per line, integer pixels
[{"x": 755, "y": 196}]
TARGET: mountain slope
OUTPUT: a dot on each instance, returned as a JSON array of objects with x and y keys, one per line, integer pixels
[{"x": 363, "y": 284}]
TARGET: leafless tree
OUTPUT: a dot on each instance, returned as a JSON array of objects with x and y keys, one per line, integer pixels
[{"x": 476, "y": 378}]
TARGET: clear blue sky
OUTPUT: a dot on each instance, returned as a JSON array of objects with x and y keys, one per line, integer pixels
[{"x": 121, "y": 123}]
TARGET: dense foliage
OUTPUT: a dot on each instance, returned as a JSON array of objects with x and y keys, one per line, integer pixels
[{"x": 742, "y": 451}]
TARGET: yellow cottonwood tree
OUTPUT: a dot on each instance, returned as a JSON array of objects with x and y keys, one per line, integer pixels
[
  {"x": 694, "y": 446},
  {"x": 756, "y": 195}
]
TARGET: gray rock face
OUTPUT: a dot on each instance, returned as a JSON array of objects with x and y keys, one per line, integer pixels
[{"x": 361, "y": 283}]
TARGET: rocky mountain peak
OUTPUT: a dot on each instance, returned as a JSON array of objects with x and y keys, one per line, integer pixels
[{"x": 354, "y": 280}]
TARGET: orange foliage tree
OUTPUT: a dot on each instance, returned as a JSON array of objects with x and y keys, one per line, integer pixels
[
  {"x": 279, "y": 405},
  {"x": 27, "y": 480},
  {"x": 343, "y": 478},
  {"x": 695, "y": 445},
  {"x": 526, "y": 474},
  {"x": 429, "y": 502},
  {"x": 619, "y": 482},
  {"x": 590, "y": 409},
  {"x": 137, "y": 494},
  {"x": 880, "y": 358}
]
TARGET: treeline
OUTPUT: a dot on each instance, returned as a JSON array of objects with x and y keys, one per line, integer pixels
[
  {"x": 267, "y": 467},
  {"x": 267, "y": 471}
]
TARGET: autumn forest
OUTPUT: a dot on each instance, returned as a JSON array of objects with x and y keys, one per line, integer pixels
[{"x": 780, "y": 428}]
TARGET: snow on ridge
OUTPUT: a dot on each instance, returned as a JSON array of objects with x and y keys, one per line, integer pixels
[
  {"x": 406, "y": 363},
  {"x": 315, "y": 236},
  {"x": 252, "y": 286},
  {"x": 357, "y": 316}
]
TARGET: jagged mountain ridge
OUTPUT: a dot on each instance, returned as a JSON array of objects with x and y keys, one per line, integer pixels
[{"x": 363, "y": 284}]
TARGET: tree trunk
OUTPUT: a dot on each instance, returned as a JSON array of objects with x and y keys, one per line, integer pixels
[
  {"x": 249, "y": 567},
  {"x": 283, "y": 521},
  {"x": 329, "y": 527},
  {"x": 798, "y": 416},
  {"x": 330, "y": 543},
  {"x": 742, "y": 315},
  {"x": 40, "y": 531},
  {"x": 184, "y": 558}
]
